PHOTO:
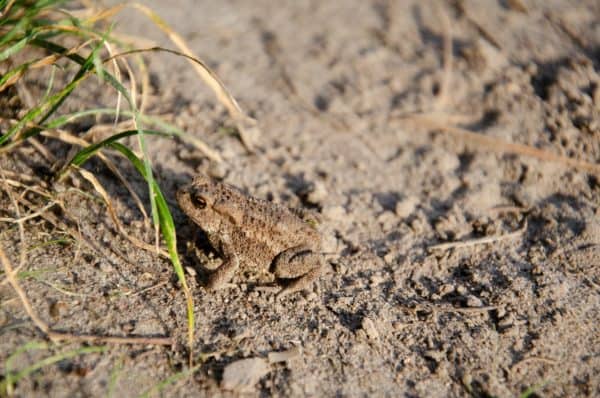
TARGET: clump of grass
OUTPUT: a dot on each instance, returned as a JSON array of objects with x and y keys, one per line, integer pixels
[{"x": 85, "y": 39}]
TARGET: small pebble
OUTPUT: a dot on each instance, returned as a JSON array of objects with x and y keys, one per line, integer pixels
[
  {"x": 217, "y": 170},
  {"x": 369, "y": 327},
  {"x": 330, "y": 243},
  {"x": 404, "y": 208},
  {"x": 398, "y": 325},
  {"x": 241, "y": 376},
  {"x": 387, "y": 219},
  {"x": 389, "y": 257},
  {"x": 318, "y": 194},
  {"x": 284, "y": 356},
  {"x": 501, "y": 312},
  {"x": 376, "y": 280},
  {"x": 446, "y": 289},
  {"x": 334, "y": 213},
  {"x": 473, "y": 301},
  {"x": 507, "y": 321}
]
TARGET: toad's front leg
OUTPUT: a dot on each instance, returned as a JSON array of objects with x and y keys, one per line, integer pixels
[
  {"x": 225, "y": 272},
  {"x": 299, "y": 263}
]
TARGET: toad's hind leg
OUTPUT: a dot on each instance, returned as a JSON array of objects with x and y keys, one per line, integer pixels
[{"x": 298, "y": 262}]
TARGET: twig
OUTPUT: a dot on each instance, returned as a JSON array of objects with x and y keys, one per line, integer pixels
[
  {"x": 479, "y": 241},
  {"x": 498, "y": 145},
  {"x": 482, "y": 31},
  {"x": 31, "y": 215},
  {"x": 508, "y": 209},
  {"x": 9, "y": 192},
  {"x": 448, "y": 58},
  {"x": 567, "y": 30},
  {"x": 113, "y": 215},
  {"x": 517, "y": 5},
  {"x": 62, "y": 336},
  {"x": 147, "y": 289},
  {"x": 75, "y": 233},
  {"x": 466, "y": 310},
  {"x": 546, "y": 360}
]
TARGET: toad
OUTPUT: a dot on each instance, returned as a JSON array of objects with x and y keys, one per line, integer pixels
[{"x": 253, "y": 233}]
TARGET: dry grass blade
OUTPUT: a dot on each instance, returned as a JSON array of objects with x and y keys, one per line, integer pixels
[
  {"x": 75, "y": 233},
  {"x": 203, "y": 148},
  {"x": 479, "y": 241},
  {"x": 498, "y": 145},
  {"x": 211, "y": 154},
  {"x": 30, "y": 215},
  {"x": 37, "y": 187},
  {"x": 74, "y": 140},
  {"x": 113, "y": 215},
  {"x": 6, "y": 9},
  {"x": 246, "y": 125},
  {"x": 61, "y": 336},
  {"x": 15, "y": 76}
]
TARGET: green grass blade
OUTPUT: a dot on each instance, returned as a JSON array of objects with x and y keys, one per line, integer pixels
[
  {"x": 84, "y": 154},
  {"x": 533, "y": 389},
  {"x": 165, "y": 219},
  {"x": 15, "y": 48},
  {"x": 52, "y": 102},
  {"x": 15, "y": 30},
  {"x": 167, "y": 224},
  {"x": 9, "y": 378},
  {"x": 60, "y": 121},
  {"x": 148, "y": 175},
  {"x": 168, "y": 229},
  {"x": 115, "y": 83},
  {"x": 7, "y": 384},
  {"x": 159, "y": 387},
  {"x": 57, "y": 49},
  {"x": 18, "y": 70},
  {"x": 32, "y": 345},
  {"x": 85, "y": 70},
  {"x": 38, "y": 110}
]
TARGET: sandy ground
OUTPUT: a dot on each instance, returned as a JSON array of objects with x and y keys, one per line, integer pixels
[{"x": 335, "y": 87}]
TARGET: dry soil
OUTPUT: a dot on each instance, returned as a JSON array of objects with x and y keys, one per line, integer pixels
[{"x": 335, "y": 87}]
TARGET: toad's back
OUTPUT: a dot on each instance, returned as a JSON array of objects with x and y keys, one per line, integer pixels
[{"x": 265, "y": 229}]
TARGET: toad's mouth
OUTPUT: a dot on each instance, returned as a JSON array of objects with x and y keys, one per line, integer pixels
[{"x": 183, "y": 198}]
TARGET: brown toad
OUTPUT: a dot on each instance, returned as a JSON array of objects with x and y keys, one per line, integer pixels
[{"x": 252, "y": 233}]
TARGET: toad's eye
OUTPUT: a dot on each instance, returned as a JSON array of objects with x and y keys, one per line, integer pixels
[{"x": 198, "y": 201}]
